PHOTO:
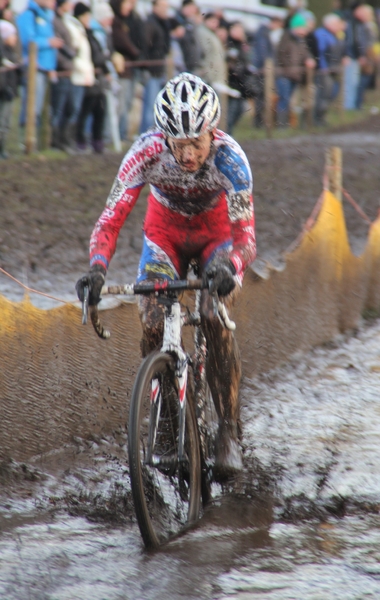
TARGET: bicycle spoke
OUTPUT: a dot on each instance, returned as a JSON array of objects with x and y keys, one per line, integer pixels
[
  {"x": 166, "y": 490},
  {"x": 155, "y": 408}
]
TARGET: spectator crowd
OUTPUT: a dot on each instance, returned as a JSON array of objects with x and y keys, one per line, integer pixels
[{"x": 92, "y": 59}]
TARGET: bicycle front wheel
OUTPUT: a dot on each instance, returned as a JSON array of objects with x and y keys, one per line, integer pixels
[{"x": 166, "y": 492}]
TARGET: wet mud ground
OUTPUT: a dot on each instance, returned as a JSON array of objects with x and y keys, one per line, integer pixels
[{"x": 303, "y": 520}]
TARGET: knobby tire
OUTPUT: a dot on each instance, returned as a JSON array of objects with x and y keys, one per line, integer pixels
[{"x": 159, "y": 519}]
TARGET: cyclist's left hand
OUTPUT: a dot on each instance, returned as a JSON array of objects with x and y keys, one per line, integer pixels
[{"x": 219, "y": 276}]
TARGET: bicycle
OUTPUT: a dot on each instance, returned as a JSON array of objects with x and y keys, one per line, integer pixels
[{"x": 172, "y": 419}]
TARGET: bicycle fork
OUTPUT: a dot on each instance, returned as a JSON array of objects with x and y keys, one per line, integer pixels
[
  {"x": 172, "y": 345},
  {"x": 200, "y": 381},
  {"x": 155, "y": 410}
]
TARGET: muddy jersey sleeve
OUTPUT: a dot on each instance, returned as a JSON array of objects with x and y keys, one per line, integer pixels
[
  {"x": 232, "y": 162},
  {"x": 123, "y": 196}
]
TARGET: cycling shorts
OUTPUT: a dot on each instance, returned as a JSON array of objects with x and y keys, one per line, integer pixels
[{"x": 172, "y": 240}]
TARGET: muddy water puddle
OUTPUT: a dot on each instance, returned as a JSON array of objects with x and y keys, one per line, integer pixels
[
  {"x": 303, "y": 522},
  {"x": 70, "y": 558}
]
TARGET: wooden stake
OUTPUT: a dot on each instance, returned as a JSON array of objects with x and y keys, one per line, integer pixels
[
  {"x": 341, "y": 80},
  {"x": 30, "y": 130},
  {"x": 170, "y": 65},
  {"x": 268, "y": 94},
  {"x": 224, "y": 103},
  {"x": 334, "y": 171},
  {"x": 309, "y": 97},
  {"x": 45, "y": 129}
]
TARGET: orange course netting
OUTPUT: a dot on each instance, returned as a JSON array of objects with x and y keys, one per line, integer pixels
[{"x": 58, "y": 380}]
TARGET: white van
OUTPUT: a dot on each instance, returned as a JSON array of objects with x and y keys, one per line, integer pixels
[
  {"x": 256, "y": 7},
  {"x": 251, "y": 12}
]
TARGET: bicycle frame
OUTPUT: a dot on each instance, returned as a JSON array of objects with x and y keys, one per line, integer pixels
[{"x": 174, "y": 320}]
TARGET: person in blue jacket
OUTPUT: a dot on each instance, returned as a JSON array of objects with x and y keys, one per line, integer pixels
[
  {"x": 331, "y": 50},
  {"x": 35, "y": 24},
  {"x": 358, "y": 41}
]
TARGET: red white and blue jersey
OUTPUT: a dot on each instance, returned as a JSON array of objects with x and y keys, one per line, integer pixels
[{"x": 189, "y": 214}]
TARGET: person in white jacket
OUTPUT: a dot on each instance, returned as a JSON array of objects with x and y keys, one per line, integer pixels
[
  {"x": 213, "y": 63},
  {"x": 83, "y": 74}
]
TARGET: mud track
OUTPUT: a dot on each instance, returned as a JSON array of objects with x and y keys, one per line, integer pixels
[{"x": 310, "y": 434}]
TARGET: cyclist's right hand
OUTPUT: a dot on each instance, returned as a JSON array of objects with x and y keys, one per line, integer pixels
[
  {"x": 94, "y": 280},
  {"x": 219, "y": 276}
]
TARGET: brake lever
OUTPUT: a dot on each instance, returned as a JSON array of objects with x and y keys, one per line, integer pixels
[
  {"x": 220, "y": 311},
  {"x": 224, "y": 318},
  {"x": 85, "y": 305}
]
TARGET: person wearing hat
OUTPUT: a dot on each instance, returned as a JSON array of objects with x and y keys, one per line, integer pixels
[
  {"x": 101, "y": 25},
  {"x": 293, "y": 56},
  {"x": 61, "y": 87},
  {"x": 294, "y": 7},
  {"x": 200, "y": 208}
]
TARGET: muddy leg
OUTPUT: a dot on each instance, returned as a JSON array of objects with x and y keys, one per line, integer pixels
[
  {"x": 223, "y": 369},
  {"x": 152, "y": 320}
]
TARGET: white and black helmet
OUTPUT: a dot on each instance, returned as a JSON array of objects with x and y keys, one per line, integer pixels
[{"x": 186, "y": 107}]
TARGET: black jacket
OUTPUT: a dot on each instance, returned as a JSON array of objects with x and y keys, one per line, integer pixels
[
  {"x": 100, "y": 63},
  {"x": 238, "y": 62},
  {"x": 358, "y": 38},
  {"x": 136, "y": 30},
  {"x": 190, "y": 46},
  {"x": 157, "y": 40},
  {"x": 124, "y": 39},
  {"x": 312, "y": 44}
]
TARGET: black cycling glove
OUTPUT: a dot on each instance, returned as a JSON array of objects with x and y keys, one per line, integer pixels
[
  {"x": 219, "y": 276},
  {"x": 94, "y": 280}
]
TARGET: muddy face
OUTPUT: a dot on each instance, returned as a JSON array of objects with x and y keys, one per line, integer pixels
[{"x": 191, "y": 154}]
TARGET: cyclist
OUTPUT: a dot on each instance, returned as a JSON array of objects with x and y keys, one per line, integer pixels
[{"x": 200, "y": 207}]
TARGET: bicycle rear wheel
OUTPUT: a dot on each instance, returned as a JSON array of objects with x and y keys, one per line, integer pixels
[{"x": 166, "y": 493}]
